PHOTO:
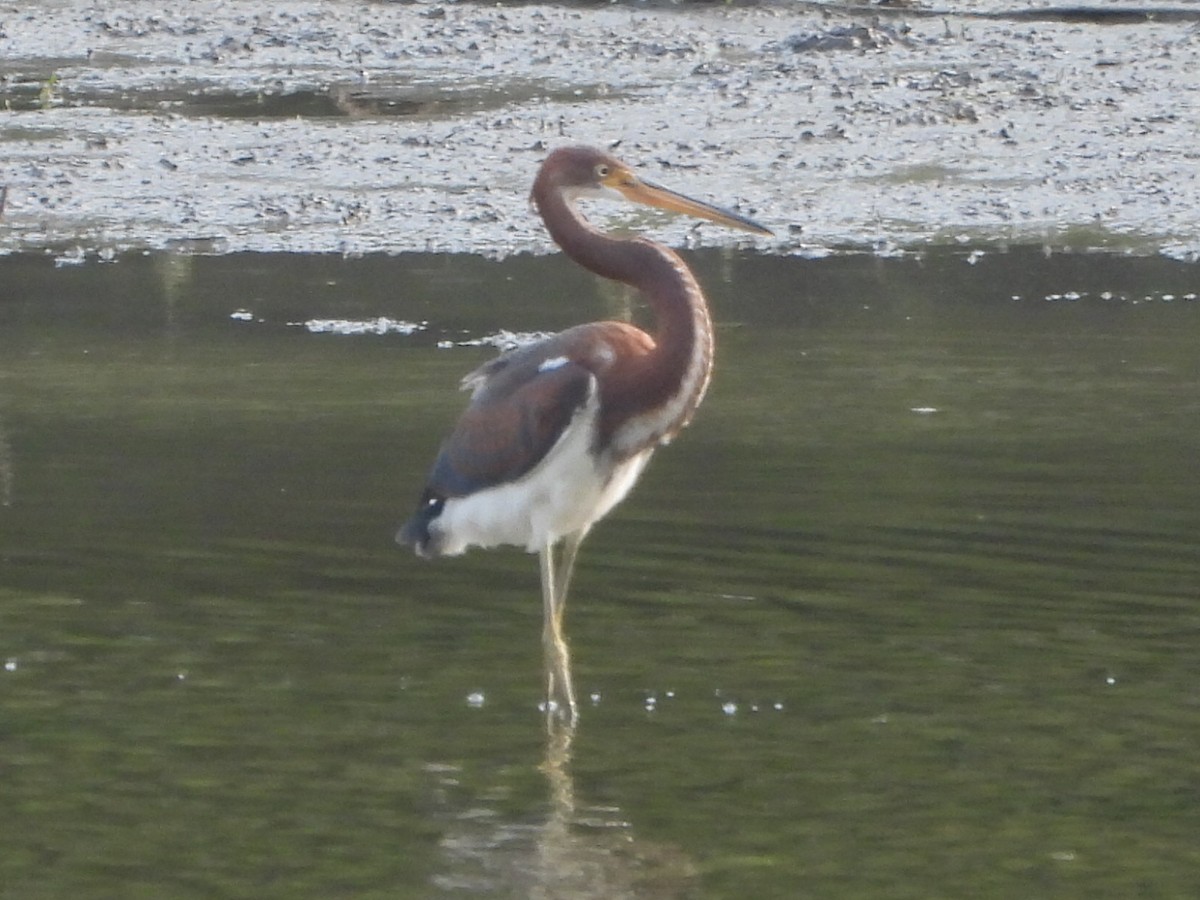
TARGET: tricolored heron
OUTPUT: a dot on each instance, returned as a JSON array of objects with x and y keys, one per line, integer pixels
[{"x": 556, "y": 432}]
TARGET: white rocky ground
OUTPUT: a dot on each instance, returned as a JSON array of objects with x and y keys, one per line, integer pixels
[{"x": 366, "y": 126}]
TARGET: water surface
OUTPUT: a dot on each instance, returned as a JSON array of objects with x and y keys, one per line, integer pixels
[{"x": 910, "y": 611}]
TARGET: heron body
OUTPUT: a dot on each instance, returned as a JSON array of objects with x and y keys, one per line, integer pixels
[{"x": 557, "y": 432}]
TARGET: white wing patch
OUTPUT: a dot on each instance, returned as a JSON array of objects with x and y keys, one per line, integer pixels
[{"x": 549, "y": 365}]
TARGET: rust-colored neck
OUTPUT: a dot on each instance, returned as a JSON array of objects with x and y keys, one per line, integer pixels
[{"x": 648, "y": 398}]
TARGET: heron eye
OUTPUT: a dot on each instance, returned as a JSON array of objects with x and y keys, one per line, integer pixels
[{"x": 602, "y": 171}]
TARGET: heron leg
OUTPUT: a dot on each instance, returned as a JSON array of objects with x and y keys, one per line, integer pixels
[
  {"x": 560, "y": 691},
  {"x": 566, "y": 566}
]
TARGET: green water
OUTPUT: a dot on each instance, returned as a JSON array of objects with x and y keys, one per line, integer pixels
[{"x": 912, "y": 610}]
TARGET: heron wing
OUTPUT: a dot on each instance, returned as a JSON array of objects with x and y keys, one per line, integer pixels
[{"x": 522, "y": 403}]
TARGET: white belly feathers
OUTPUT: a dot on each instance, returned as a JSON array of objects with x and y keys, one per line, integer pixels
[{"x": 566, "y": 492}]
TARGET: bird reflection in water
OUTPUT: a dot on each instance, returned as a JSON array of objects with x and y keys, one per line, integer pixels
[
  {"x": 573, "y": 850},
  {"x": 557, "y": 432}
]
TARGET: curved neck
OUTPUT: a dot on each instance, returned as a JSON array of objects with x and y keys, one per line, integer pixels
[
  {"x": 673, "y": 377},
  {"x": 657, "y": 272}
]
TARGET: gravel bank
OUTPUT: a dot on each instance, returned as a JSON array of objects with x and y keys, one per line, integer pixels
[{"x": 364, "y": 126}]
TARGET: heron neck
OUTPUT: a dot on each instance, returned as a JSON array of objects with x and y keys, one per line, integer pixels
[{"x": 671, "y": 379}]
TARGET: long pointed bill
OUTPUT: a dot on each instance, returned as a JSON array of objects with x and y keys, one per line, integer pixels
[{"x": 653, "y": 195}]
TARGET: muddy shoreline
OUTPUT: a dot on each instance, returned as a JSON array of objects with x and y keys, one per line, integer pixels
[{"x": 360, "y": 127}]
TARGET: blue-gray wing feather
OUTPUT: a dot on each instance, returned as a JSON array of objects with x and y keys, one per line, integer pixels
[{"x": 522, "y": 403}]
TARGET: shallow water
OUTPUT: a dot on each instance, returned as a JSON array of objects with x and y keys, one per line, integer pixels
[{"x": 910, "y": 611}]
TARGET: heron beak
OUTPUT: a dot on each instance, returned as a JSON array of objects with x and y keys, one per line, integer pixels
[{"x": 645, "y": 192}]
